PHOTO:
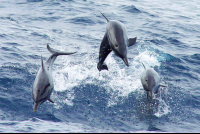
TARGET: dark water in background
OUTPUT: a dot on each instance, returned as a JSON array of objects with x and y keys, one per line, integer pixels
[{"x": 168, "y": 33}]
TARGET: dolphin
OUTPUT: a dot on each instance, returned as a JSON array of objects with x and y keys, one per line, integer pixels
[
  {"x": 151, "y": 81},
  {"x": 43, "y": 84},
  {"x": 116, "y": 40}
]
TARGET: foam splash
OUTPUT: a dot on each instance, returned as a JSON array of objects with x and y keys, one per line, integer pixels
[
  {"x": 163, "y": 108},
  {"x": 119, "y": 77}
]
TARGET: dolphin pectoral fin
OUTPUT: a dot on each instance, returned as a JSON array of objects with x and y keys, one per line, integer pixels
[
  {"x": 162, "y": 85},
  {"x": 51, "y": 100},
  {"x": 131, "y": 41},
  {"x": 156, "y": 90}
]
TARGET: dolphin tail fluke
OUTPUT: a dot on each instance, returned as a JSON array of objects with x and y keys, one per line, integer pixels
[
  {"x": 102, "y": 66},
  {"x": 57, "y": 52},
  {"x": 131, "y": 41},
  {"x": 105, "y": 17}
]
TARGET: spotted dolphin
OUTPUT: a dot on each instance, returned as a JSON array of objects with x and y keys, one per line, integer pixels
[
  {"x": 151, "y": 81},
  {"x": 43, "y": 84},
  {"x": 116, "y": 40}
]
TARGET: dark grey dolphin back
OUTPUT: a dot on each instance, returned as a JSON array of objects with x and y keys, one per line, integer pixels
[
  {"x": 103, "y": 53},
  {"x": 43, "y": 84},
  {"x": 116, "y": 40},
  {"x": 150, "y": 80}
]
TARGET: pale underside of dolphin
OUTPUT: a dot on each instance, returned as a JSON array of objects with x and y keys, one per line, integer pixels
[
  {"x": 43, "y": 84},
  {"x": 116, "y": 40},
  {"x": 151, "y": 81}
]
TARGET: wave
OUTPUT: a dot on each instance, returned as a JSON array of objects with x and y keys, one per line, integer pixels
[
  {"x": 9, "y": 18},
  {"x": 34, "y": 0},
  {"x": 131, "y": 9},
  {"x": 36, "y": 125},
  {"x": 87, "y": 100},
  {"x": 51, "y": 19},
  {"x": 82, "y": 21},
  {"x": 45, "y": 36},
  {"x": 174, "y": 41},
  {"x": 91, "y": 99}
]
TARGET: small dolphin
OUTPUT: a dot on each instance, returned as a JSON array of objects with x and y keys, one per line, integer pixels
[
  {"x": 43, "y": 84},
  {"x": 115, "y": 39},
  {"x": 150, "y": 80}
]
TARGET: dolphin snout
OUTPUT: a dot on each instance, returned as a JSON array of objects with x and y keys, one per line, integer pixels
[
  {"x": 150, "y": 93},
  {"x": 125, "y": 61},
  {"x": 36, "y": 105}
]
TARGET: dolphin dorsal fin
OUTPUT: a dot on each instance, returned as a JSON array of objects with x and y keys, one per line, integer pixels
[
  {"x": 42, "y": 63},
  {"x": 105, "y": 17},
  {"x": 143, "y": 65}
]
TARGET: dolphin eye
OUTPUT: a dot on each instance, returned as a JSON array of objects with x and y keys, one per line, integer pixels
[
  {"x": 116, "y": 45},
  {"x": 38, "y": 90},
  {"x": 146, "y": 80}
]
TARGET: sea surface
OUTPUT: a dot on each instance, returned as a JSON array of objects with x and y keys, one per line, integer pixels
[{"x": 86, "y": 100}]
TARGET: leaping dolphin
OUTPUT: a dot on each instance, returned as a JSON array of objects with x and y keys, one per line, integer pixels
[
  {"x": 151, "y": 82},
  {"x": 43, "y": 84},
  {"x": 115, "y": 39}
]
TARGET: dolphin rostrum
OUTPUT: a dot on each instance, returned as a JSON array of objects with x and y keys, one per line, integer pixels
[
  {"x": 43, "y": 84},
  {"x": 115, "y": 39},
  {"x": 151, "y": 81}
]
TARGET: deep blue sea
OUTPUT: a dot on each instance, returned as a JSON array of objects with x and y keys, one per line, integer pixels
[{"x": 168, "y": 40}]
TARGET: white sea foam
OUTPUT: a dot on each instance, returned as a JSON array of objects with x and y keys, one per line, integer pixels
[
  {"x": 119, "y": 78},
  {"x": 163, "y": 108}
]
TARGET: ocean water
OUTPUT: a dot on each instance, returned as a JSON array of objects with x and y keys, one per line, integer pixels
[{"x": 168, "y": 40}]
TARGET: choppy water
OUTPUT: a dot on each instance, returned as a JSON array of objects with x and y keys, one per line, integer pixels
[{"x": 168, "y": 36}]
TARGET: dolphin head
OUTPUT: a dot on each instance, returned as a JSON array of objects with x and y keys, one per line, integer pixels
[
  {"x": 121, "y": 51},
  {"x": 41, "y": 87},
  {"x": 118, "y": 39}
]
